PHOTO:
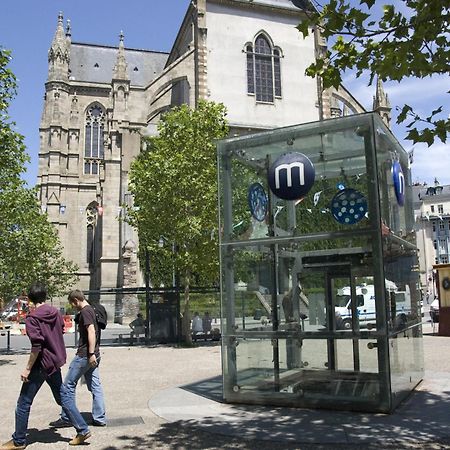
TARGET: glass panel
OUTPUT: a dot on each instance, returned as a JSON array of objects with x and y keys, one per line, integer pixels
[
  {"x": 339, "y": 161},
  {"x": 277, "y": 75},
  {"x": 406, "y": 363},
  {"x": 251, "y": 289},
  {"x": 311, "y": 382},
  {"x": 402, "y": 285},
  {"x": 397, "y": 217},
  {"x": 262, "y": 46},
  {"x": 101, "y": 143},
  {"x": 95, "y": 138},
  {"x": 87, "y": 142},
  {"x": 264, "y": 78},
  {"x": 250, "y": 74}
]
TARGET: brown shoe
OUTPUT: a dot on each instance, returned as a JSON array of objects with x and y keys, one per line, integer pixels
[
  {"x": 80, "y": 439},
  {"x": 11, "y": 445}
]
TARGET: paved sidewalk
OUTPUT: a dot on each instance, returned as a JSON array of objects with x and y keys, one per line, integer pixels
[{"x": 152, "y": 401}]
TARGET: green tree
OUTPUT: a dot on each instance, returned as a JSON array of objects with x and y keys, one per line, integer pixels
[
  {"x": 408, "y": 38},
  {"x": 174, "y": 183},
  {"x": 30, "y": 248}
]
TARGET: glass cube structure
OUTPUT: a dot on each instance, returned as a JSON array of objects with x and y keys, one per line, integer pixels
[{"x": 319, "y": 272}]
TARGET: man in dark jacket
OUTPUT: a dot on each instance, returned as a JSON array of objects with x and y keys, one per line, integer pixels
[
  {"x": 85, "y": 365},
  {"x": 45, "y": 328}
]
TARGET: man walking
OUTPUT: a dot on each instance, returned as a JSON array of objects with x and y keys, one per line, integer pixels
[
  {"x": 44, "y": 326},
  {"x": 85, "y": 363}
]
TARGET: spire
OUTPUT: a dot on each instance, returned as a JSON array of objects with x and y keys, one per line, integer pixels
[
  {"x": 68, "y": 29},
  {"x": 121, "y": 67},
  {"x": 381, "y": 103},
  {"x": 58, "y": 55}
]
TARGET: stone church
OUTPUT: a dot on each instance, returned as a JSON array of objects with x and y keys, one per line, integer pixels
[{"x": 100, "y": 101}]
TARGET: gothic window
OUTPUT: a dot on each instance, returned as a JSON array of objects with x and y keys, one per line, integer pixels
[
  {"x": 263, "y": 69},
  {"x": 91, "y": 221},
  {"x": 93, "y": 140}
]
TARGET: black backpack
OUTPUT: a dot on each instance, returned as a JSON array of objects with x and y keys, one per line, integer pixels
[{"x": 100, "y": 315}]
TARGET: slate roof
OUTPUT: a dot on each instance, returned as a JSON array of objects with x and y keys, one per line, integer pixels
[
  {"x": 95, "y": 63},
  {"x": 431, "y": 192},
  {"x": 290, "y": 4}
]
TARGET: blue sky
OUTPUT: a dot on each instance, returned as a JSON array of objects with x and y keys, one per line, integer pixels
[{"x": 28, "y": 28}]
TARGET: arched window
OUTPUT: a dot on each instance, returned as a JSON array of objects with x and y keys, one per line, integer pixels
[
  {"x": 91, "y": 222},
  {"x": 93, "y": 140},
  {"x": 263, "y": 69}
]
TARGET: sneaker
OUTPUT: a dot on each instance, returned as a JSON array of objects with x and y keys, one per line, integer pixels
[
  {"x": 80, "y": 439},
  {"x": 96, "y": 423},
  {"x": 60, "y": 423},
  {"x": 11, "y": 445}
]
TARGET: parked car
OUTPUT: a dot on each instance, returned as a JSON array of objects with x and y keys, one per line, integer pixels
[{"x": 434, "y": 310}]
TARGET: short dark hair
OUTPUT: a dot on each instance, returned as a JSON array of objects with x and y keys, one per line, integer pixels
[
  {"x": 76, "y": 295},
  {"x": 37, "y": 292}
]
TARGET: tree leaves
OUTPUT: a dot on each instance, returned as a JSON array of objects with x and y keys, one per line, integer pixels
[
  {"x": 408, "y": 38},
  {"x": 174, "y": 183}
]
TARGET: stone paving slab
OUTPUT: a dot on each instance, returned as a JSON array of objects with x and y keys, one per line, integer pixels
[{"x": 137, "y": 377}]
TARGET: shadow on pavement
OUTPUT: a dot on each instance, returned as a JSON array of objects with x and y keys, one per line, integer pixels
[
  {"x": 46, "y": 436},
  {"x": 210, "y": 388},
  {"x": 421, "y": 421},
  {"x": 181, "y": 435}
]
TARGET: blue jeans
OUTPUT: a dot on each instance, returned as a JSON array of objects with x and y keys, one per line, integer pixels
[
  {"x": 27, "y": 393},
  {"x": 80, "y": 367},
  {"x": 94, "y": 386}
]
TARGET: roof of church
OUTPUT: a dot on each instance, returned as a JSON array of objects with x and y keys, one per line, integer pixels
[
  {"x": 95, "y": 63},
  {"x": 283, "y": 3},
  {"x": 289, "y": 4}
]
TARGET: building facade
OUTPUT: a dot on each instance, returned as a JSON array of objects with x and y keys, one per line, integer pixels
[
  {"x": 101, "y": 100},
  {"x": 432, "y": 212}
]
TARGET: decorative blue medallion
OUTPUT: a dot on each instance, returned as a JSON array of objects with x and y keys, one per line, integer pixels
[
  {"x": 399, "y": 182},
  {"x": 291, "y": 176},
  {"x": 257, "y": 201},
  {"x": 348, "y": 206}
]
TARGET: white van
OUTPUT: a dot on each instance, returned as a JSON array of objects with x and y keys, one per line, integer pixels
[{"x": 365, "y": 304}]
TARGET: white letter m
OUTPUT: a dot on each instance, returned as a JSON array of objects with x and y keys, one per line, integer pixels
[{"x": 288, "y": 168}]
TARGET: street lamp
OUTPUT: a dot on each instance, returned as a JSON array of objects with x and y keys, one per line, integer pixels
[{"x": 147, "y": 295}]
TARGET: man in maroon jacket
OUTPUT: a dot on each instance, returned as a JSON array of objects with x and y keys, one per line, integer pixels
[{"x": 45, "y": 327}]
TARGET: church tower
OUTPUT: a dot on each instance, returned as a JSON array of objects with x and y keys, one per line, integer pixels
[
  {"x": 381, "y": 104},
  {"x": 55, "y": 130},
  {"x": 90, "y": 132}
]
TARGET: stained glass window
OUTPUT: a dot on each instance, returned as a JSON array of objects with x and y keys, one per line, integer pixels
[
  {"x": 93, "y": 144},
  {"x": 263, "y": 70}
]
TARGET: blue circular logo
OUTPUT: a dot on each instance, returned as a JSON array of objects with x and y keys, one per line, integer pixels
[
  {"x": 291, "y": 176},
  {"x": 348, "y": 206},
  {"x": 399, "y": 182},
  {"x": 257, "y": 201}
]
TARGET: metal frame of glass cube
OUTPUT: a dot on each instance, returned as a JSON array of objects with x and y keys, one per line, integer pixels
[{"x": 319, "y": 310}]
